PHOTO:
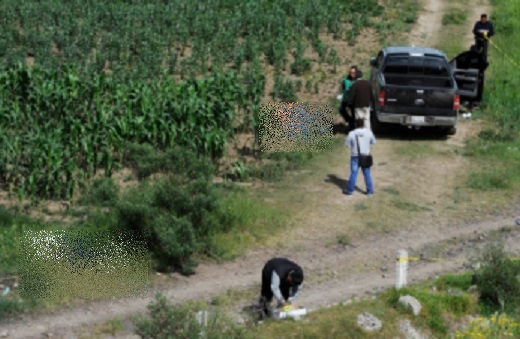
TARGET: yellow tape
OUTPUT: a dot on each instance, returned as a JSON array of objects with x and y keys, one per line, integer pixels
[
  {"x": 503, "y": 53},
  {"x": 400, "y": 260}
]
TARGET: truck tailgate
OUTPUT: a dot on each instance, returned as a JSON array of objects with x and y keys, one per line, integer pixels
[{"x": 433, "y": 102}]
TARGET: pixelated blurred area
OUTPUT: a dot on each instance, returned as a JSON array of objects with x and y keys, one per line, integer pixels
[
  {"x": 295, "y": 127},
  {"x": 82, "y": 264}
]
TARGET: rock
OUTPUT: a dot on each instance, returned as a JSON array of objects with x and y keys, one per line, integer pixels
[
  {"x": 410, "y": 301},
  {"x": 472, "y": 289},
  {"x": 517, "y": 221},
  {"x": 409, "y": 331},
  {"x": 369, "y": 322},
  {"x": 4, "y": 334},
  {"x": 48, "y": 334}
]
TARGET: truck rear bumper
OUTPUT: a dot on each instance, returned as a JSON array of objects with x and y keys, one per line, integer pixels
[{"x": 407, "y": 120}]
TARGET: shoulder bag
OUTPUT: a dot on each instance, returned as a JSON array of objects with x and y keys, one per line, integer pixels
[{"x": 365, "y": 161}]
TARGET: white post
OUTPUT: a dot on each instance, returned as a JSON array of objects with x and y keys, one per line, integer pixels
[
  {"x": 401, "y": 268},
  {"x": 202, "y": 319}
]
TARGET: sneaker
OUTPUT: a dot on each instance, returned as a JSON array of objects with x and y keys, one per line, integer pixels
[
  {"x": 370, "y": 194},
  {"x": 348, "y": 194}
]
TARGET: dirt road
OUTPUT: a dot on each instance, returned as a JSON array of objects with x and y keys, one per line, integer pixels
[{"x": 335, "y": 272}]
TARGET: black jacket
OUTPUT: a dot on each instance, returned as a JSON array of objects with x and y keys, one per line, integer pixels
[
  {"x": 360, "y": 94},
  {"x": 487, "y": 26},
  {"x": 282, "y": 267}
]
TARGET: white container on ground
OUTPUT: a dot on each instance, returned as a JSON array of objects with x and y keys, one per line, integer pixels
[{"x": 294, "y": 313}]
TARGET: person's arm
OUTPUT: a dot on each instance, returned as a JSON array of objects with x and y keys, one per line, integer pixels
[
  {"x": 372, "y": 138},
  {"x": 348, "y": 141},
  {"x": 351, "y": 95},
  {"x": 491, "y": 30},
  {"x": 296, "y": 293},
  {"x": 475, "y": 30},
  {"x": 275, "y": 287}
]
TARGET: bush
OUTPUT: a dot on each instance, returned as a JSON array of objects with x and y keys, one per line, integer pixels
[
  {"x": 102, "y": 192},
  {"x": 167, "y": 321},
  {"x": 146, "y": 160},
  {"x": 178, "y": 213},
  {"x": 498, "y": 283},
  {"x": 455, "y": 17}
]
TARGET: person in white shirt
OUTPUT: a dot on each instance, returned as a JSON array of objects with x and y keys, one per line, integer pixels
[{"x": 366, "y": 138}]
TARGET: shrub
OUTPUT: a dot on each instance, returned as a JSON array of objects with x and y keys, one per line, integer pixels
[
  {"x": 498, "y": 283},
  {"x": 455, "y": 17},
  {"x": 178, "y": 213},
  {"x": 167, "y": 321},
  {"x": 102, "y": 192}
]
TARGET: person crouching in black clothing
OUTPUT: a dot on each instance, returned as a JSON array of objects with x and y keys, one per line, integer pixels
[{"x": 281, "y": 278}]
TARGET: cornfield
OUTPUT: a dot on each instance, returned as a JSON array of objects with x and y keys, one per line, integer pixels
[
  {"x": 104, "y": 71},
  {"x": 141, "y": 38},
  {"x": 57, "y": 128}
]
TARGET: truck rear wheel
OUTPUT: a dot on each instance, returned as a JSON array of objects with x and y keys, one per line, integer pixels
[
  {"x": 449, "y": 130},
  {"x": 377, "y": 126}
]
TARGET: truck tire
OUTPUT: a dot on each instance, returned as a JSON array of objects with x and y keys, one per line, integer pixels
[
  {"x": 377, "y": 126},
  {"x": 448, "y": 130}
]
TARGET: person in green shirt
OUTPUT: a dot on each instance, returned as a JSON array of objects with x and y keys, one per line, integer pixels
[{"x": 347, "y": 82}]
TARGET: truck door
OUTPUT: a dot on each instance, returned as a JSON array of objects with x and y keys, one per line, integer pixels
[{"x": 468, "y": 71}]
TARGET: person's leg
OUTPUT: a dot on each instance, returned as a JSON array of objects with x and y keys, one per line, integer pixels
[
  {"x": 368, "y": 180},
  {"x": 353, "y": 175},
  {"x": 266, "y": 296},
  {"x": 365, "y": 115},
  {"x": 266, "y": 292},
  {"x": 352, "y": 122},
  {"x": 485, "y": 50},
  {"x": 343, "y": 111}
]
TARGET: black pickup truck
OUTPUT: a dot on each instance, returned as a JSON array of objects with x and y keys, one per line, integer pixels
[{"x": 414, "y": 86}]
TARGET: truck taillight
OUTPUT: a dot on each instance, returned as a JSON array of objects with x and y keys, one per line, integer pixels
[
  {"x": 381, "y": 98},
  {"x": 456, "y": 102}
]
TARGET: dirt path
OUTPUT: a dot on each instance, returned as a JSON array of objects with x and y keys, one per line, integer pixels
[
  {"x": 425, "y": 171},
  {"x": 428, "y": 24}
]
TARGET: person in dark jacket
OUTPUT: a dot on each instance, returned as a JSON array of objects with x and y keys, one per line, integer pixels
[
  {"x": 346, "y": 84},
  {"x": 281, "y": 278},
  {"x": 482, "y": 30},
  {"x": 360, "y": 99}
]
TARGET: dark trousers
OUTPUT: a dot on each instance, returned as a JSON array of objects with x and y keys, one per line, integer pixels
[
  {"x": 349, "y": 118},
  {"x": 482, "y": 48},
  {"x": 267, "y": 292}
]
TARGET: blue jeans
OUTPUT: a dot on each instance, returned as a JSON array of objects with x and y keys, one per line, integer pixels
[{"x": 354, "y": 167}]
